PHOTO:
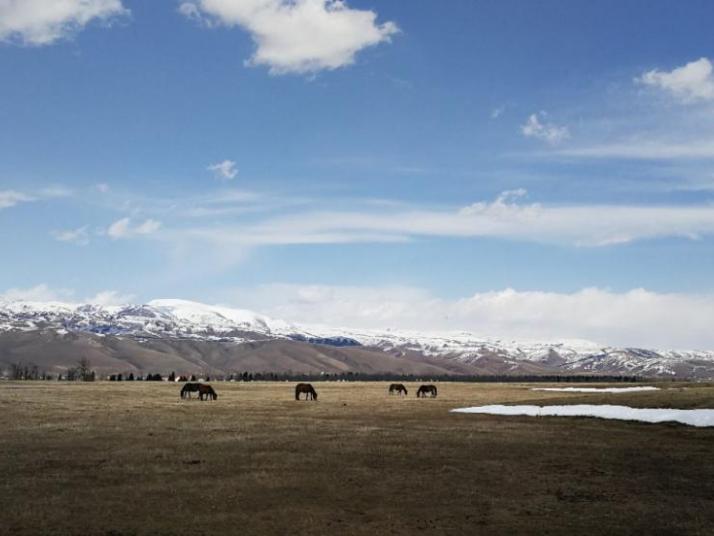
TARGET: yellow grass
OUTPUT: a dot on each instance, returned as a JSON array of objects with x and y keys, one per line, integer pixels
[{"x": 131, "y": 458}]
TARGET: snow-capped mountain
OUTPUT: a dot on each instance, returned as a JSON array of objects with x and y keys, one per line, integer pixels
[{"x": 180, "y": 320}]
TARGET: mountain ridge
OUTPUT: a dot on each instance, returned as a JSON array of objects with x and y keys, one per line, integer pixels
[{"x": 179, "y": 323}]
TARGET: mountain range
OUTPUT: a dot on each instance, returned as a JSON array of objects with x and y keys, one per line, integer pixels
[{"x": 189, "y": 337}]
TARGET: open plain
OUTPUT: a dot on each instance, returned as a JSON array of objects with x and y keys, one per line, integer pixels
[{"x": 132, "y": 458}]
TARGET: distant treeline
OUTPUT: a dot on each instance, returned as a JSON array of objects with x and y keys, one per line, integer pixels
[
  {"x": 30, "y": 371},
  {"x": 371, "y": 377},
  {"x": 367, "y": 377},
  {"x": 83, "y": 372}
]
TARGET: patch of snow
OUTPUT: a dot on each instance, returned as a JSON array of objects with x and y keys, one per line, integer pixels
[
  {"x": 691, "y": 417},
  {"x": 595, "y": 389}
]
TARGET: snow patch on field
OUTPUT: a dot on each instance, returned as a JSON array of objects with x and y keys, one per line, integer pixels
[
  {"x": 595, "y": 389},
  {"x": 692, "y": 417}
]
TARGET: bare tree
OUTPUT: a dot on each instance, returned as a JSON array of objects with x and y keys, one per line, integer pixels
[
  {"x": 84, "y": 370},
  {"x": 16, "y": 371}
]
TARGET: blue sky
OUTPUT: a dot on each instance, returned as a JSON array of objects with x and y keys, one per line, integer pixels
[{"x": 313, "y": 159}]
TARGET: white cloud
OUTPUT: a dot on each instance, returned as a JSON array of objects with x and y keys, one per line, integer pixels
[
  {"x": 691, "y": 82},
  {"x": 42, "y": 22},
  {"x": 40, "y": 292},
  {"x": 52, "y": 192},
  {"x": 548, "y": 132},
  {"x": 111, "y": 297},
  {"x": 102, "y": 187},
  {"x": 497, "y": 112},
  {"x": 644, "y": 150},
  {"x": 190, "y": 11},
  {"x": 225, "y": 170},
  {"x": 78, "y": 236},
  {"x": 297, "y": 36},
  {"x": 44, "y": 293},
  {"x": 580, "y": 225},
  {"x": 634, "y": 318},
  {"x": 10, "y": 198},
  {"x": 123, "y": 228}
]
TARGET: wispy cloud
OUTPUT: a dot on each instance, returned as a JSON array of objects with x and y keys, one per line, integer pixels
[
  {"x": 225, "y": 170},
  {"x": 42, "y": 22},
  {"x": 548, "y": 132},
  {"x": 578, "y": 225},
  {"x": 497, "y": 112},
  {"x": 644, "y": 150},
  {"x": 123, "y": 228},
  {"x": 79, "y": 236},
  {"x": 10, "y": 198},
  {"x": 296, "y": 37}
]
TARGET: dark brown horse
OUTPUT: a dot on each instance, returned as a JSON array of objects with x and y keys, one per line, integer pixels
[
  {"x": 398, "y": 388},
  {"x": 426, "y": 390},
  {"x": 309, "y": 390},
  {"x": 206, "y": 392},
  {"x": 189, "y": 388}
]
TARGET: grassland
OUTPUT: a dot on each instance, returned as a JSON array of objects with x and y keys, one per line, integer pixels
[{"x": 131, "y": 458}]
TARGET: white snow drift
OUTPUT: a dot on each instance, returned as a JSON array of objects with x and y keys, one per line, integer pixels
[
  {"x": 692, "y": 417},
  {"x": 595, "y": 389}
]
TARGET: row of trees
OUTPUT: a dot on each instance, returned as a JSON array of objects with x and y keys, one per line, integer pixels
[
  {"x": 361, "y": 377},
  {"x": 139, "y": 378},
  {"x": 82, "y": 371}
]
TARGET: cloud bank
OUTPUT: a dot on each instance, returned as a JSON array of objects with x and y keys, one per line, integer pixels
[
  {"x": 45, "y": 293},
  {"x": 634, "y": 318}
]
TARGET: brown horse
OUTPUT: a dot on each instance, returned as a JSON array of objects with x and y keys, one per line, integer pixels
[
  {"x": 206, "y": 392},
  {"x": 309, "y": 390},
  {"x": 425, "y": 390},
  {"x": 189, "y": 388},
  {"x": 398, "y": 388}
]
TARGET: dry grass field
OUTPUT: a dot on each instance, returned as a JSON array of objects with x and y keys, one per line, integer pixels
[{"x": 131, "y": 458}]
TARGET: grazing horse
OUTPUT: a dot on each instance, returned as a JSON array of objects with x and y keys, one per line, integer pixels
[
  {"x": 425, "y": 390},
  {"x": 398, "y": 388},
  {"x": 189, "y": 388},
  {"x": 206, "y": 392},
  {"x": 309, "y": 390}
]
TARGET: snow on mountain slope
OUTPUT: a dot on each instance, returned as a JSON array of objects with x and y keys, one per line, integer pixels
[
  {"x": 169, "y": 318},
  {"x": 216, "y": 316}
]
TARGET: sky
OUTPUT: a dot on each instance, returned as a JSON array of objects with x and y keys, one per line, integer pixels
[{"x": 513, "y": 168}]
